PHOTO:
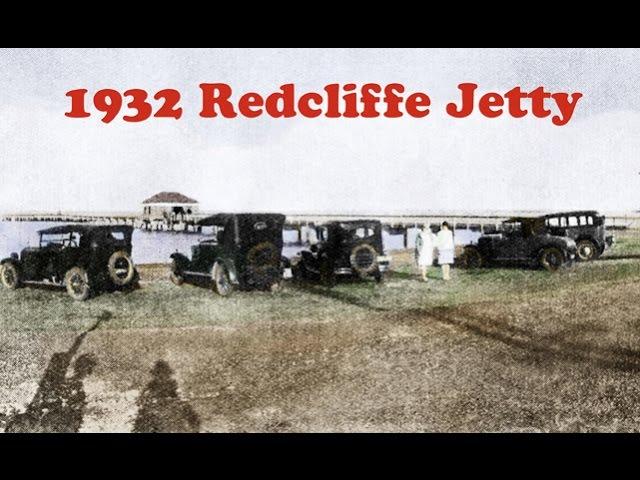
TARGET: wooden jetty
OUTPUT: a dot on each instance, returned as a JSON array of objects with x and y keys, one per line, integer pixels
[{"x": 486, "y": 222}]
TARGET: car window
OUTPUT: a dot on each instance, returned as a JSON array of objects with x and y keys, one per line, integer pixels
[
  {"x": 363, "y": 232},
  {"x": 573, "y": 221},
  {"x": 118, "y": 235},
  {"x": 563, "y": 221},
  {"x": 512, "y": 227},
  {"x": 590, "y": 220},
  {"x": 583, "y": 220},
  {"x": 53, "y": 239},
  {"x": 322, "y": 234},
  {"x": 553, "y": 222}
]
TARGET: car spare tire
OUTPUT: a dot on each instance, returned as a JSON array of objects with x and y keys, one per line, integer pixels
[
  {"x": 264, "y": 264},
  {"x": 121, "y": 268},
  {"x": 364, "y": 259}
]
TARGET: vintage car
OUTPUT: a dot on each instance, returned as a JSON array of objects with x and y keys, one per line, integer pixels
[
  {"x": 84, "y": 259},
  {"x": 245, "y": 251},
  {"x": 344, "y": 249},
  {"x": 585, "y": 227},
  {"x": 521, "y": 240}
]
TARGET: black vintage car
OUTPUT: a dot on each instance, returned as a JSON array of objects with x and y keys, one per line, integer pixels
[
  {"x": 586, "y": 227},
  {"x": 521, "y": 240},
  {"x": 84, "y": 259},
  {"x": 344, "y": 249},
  {"x": 245, "y": 251}
]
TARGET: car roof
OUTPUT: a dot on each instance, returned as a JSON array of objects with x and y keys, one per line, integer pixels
[
  {"x": 552, "y": 215},
  {"x": 222, "y": 218},
  {"x": 353, "y": 222},
  {"x": 83, "y": 228},
  {"x": 574, "y": 213}
]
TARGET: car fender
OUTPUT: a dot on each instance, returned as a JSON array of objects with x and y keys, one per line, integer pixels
[
  {"x": 181, "y": 261},
  {"x": 592, "y": 238},
  {"x": 11, "y": 259},
  {"x": 565, "y": 244}
]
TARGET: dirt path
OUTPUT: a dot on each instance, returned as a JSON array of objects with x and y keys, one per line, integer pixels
[{"x": 563, "y": 360}]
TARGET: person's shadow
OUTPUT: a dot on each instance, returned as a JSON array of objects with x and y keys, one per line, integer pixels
[
  {"x": 59, "y": 403},
  {"x": 161, "y": 410}
]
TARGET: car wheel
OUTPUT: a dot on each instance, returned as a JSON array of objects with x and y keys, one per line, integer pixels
[
  {"x": 121, "y": 268},
  {"x": 76, "y": 281},
  {"x": 175, "y": 278},
  {"x": 327, "y": 276},
  {"x": 586, "y": 250},
  {"x": 10, "y": 276},
  {"x": 472, "y": 258},
  {"x": 299, "y": 272},
  {"x": 221, "y": 281},
  {"x": 551, "y": 259}
]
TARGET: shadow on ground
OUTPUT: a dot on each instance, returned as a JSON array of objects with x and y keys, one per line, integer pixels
[
  {"x": 160, "y": 408},
  {"x": 60, "y": 401},
  {"x": 344, "y": 297}
]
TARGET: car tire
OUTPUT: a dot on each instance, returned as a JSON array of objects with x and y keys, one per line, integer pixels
[
  {"x": 76, "y": 281},
  {"x": 10, "y": 276},
  {"x": 175, "y": 278},
  {"x": 221, "y": 280},
  {"x": 551, "y": 259},
  {"x": 363, "y": 259},
  {"x": 327, "y": 275},
  {"x": 121, "y": 268},
  {"x": 472, "y": 258},
  {"x": 586, "y": 251}
]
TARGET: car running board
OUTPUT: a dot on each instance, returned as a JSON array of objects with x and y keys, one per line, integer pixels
[
  {"x": 35, "y": 282},
  {"x": 198, "y": 274}
]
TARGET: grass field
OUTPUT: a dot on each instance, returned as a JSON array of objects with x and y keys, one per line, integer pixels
[{"x": 492, "y": 350}]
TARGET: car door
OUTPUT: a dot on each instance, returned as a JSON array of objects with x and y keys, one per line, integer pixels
[{"x": 513, "y": 245}]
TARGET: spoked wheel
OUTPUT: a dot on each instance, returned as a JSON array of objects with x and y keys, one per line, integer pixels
[
  {"x": 472, "y": 258},
  {"x": 76, "y": 281},
  {"x": 10, "y": 276},
  {"x": 221, "y": 281},
  {"x": 551, "y": 259},
  {"x": 586, "y": 250}
]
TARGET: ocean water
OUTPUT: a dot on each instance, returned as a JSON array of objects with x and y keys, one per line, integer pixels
[{"x": 156, "y": 247}]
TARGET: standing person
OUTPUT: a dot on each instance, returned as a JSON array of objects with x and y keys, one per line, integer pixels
[
  {"x": 424, "y": 250},
  {"x": 445, "y": 245}
]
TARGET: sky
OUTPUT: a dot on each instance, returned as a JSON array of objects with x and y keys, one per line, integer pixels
[{"x": 49, "y": 162}]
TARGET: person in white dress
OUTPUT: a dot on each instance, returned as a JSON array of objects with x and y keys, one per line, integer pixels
[
  {"x": 444, "y": 242},
  {"x": 424, "y": 250}
]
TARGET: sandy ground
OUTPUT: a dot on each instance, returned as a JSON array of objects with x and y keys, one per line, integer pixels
[{"x": 559, "y": 355}]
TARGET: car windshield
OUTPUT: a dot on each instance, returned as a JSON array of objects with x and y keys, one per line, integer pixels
[
  {"x": 358, "y": 232},
  {"x": 212, "y": 234},
  {"x": 71, "y": 239}
]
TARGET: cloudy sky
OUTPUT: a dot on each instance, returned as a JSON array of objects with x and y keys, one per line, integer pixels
[{"x": 50, "y": 162}]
